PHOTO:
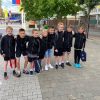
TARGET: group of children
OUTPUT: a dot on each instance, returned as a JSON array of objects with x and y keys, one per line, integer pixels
[{"x": 40, "y": 47}]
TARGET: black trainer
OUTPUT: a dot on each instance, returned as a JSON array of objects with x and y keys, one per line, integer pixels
[
  {"x": 56, "y": 66},
  {"x": 18, "y": 74},
  {"x": 5, "y": 75},
  {"x": 25, "y": 72},
  {"x": 68, "y": 63},
  {"x": 14, "y": 72},
  {"x": 31, "y": 72},
  {"x": 62, "y": 65}
]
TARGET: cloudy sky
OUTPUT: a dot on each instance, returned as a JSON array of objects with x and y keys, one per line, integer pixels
[{"x": 8, "y": 5}]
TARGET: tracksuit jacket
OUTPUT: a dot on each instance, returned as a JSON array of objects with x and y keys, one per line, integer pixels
[
  {"x": 59, "y": 40},
  {"x": 68, "y": 39},
  {"x": 8, "y": 45},
  {"x": 51, "y": 40},
  {"x": 34, "y": 46},
  {"x": 43, "y": 47},
  {"x": 21, "y": 43},
  {"x": 80, "y": 40}
]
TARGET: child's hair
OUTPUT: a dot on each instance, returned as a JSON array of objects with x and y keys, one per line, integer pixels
[
  {"x": 9, "y": 27},
  {"x": 45, "y": 30},
  {"x": 21, "y": 29},
  {"x": 34, "y": 30},
  {"x": 69, "y": 26},
  {"x": 81, "y": 26},
  {"x": 60, "y": 23}
]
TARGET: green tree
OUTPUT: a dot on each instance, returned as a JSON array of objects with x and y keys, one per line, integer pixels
[
  {"x": 1, "y": 10},
  {"x": 37, "y": 9},
  {"x": 88, "y": 6}
]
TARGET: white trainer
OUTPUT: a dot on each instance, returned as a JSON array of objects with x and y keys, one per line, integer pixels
[
  {"x": 46, "y": 67},
  {"x": 50, "y": 66}
]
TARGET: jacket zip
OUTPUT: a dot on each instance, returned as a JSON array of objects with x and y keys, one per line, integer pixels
[{"x": 9, "y": 46}]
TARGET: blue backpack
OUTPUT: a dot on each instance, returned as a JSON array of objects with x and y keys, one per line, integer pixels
[{"x": 83, "y": 56}]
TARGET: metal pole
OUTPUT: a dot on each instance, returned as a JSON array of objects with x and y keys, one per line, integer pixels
[
  {"x": 22, "y": 15},
  {"x": 24, "y": 21}
]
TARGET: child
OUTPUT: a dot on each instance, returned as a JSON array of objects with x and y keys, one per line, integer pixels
[
  {"x": 68, "y": 38},
  {"x": 44, "y": 47},
  {"x": 58, "y": 46},
  {"x": 8, "y": 50},
  {"x": 80, "y": 39},
  {"x": 33, "y": 50},
  {"x": 48, "y": 53},
  {"x": 21, "y": 49}
]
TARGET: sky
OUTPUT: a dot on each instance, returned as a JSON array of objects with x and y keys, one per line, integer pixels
[{"x": 8, "y": 5}]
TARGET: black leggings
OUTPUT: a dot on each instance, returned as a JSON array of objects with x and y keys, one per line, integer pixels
[{"x": 77, "y": 56}]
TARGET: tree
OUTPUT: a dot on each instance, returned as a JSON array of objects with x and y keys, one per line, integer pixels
[
  {"x": 1, "y": 11},
  {"x": 40, "y": 9},
  {"x": 88, "y": 6},
  {"x": 65, "y": 7},
  {"x": 37, "y": 9}
]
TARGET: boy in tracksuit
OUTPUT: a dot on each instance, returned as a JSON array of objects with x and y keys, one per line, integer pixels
[
  {"x": 58, "y": 46},
  {"x": 8, "y": 50},
  {"x": 68, "y": 39},
  {"x": 21, "y": 49},
  {"x": 33, "y": 50},
  {"x": 48, "y": 53},
  {"x": 44, "y": 48},
  {"x": 80, "y": 39}
]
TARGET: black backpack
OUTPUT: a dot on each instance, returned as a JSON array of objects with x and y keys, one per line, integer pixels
[{"x": 37, "y": 66}]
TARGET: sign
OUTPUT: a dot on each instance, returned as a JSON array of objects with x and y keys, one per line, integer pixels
[{"x": 17, "y": 2}]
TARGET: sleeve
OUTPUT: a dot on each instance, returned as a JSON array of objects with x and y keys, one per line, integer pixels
[
  {"x": 17, "y": 42},
  {"x": 2, "y": 45},
  {"x": 84, "y": 41},
  {"x": 55, "y": 41},
  {"x": 28, "y": 38},
  {"x": 15, "y": 45},
  {"x": 14, "y": 42},
  {"x": 39, "y": 41}
]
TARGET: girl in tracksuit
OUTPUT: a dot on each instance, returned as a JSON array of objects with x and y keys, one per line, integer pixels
[
  {"x": 80, "y": 39},
  {"x": 8, "y": 50}
]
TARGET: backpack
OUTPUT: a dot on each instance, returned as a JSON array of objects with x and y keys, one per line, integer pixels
[
  {"x": 37, "y": 66},
  {"x": 83, "y": 56}
]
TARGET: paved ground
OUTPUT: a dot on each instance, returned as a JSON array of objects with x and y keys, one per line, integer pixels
[
  {"x": 62, "y": 84},
  {"x": 74, "y": 84},
  {"x": 25, "y": 88}
]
